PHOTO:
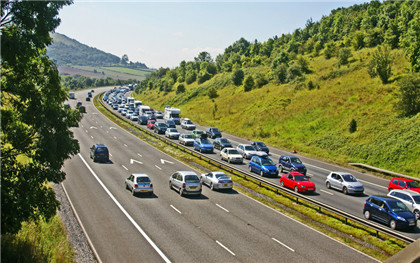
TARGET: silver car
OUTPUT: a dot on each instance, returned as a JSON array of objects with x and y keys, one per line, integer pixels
[
  {"x": 139, "y": 183},
  {"x": 344, "y": 182},
  {"x": 186, "y": 139},
  {"x": 185, "y": 182},
  {"x": 231, "y": 155},
  {"x": 247, "y": 151},
  {"x": 410, "y": 198},
  {"x": 217, "y": 180}
]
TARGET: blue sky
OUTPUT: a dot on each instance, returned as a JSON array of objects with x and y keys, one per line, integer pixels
[{"x": 162, "y": 34}]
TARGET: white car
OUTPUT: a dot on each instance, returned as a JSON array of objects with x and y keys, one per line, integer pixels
[
  {"x": 187, "y": 124},
  {"x": 217, "y": 180},
  {"x": 134, "y": 117},
  {"x": 231, "y": 155},
  {"x": 186, "y": 139},
  {"x": 139, "y": 183},
  {"x": 186, "y": 183},
  {"x": 172, "y": 133},
  {"x": 410, "y": 198},
  {"x": 247, "y": 151}
]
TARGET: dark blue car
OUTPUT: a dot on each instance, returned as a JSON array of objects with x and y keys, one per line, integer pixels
[
  {"x": 291, "y": 163},
  {"x": 389, "y": 211},
  {"x": 99, "y": 152},
  {"x": 263, "y": 166}
]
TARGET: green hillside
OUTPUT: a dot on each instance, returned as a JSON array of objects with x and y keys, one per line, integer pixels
[{"x": 304, "y": 89}]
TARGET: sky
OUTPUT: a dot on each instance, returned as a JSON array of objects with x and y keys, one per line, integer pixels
[{"x": 163, "y": 33}]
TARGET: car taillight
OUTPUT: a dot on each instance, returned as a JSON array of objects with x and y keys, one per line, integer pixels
[
  {"x": 151, "y": 185},
  {"x": 183, "y": 185},
  {"x": 135, "y": 185},
  {"x": 219, "y": 182},
  {"x": 201, "y": 185},
  {"x": 230, "y": 182}
]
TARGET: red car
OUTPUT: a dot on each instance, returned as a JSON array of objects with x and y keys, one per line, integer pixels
[
  {"x": 403, "y": 184},
  {"x": 151, "y": 124},
  {"x": 297, "y": 181}
]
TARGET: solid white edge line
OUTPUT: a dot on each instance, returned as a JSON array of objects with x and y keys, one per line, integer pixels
[
  {"x": 326, "y": 192},
  {"x": 81, "y": 225},
  {"x": 227, "y": 249},
  {"x": 148, "y": 239},
  {"x": 284, "y": 245},
  {"x": 313, "y": 229},
  {"x": 174, "y": 208},
  {"x": 222, "y": 208}
]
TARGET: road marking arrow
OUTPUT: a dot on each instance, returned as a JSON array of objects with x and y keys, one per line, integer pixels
[
  {"x": 93, "y": 127},
  {"x": 163, "y": 161},
  {"x": 135, "y": 161}
]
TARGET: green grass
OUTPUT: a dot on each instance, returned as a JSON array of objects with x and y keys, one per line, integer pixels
[
  {"x": 39, "y": 241},
  {"x": 315, "y": 121},
  {"x": 135, "y": 72},
  {"x": 116, "y": 72}
]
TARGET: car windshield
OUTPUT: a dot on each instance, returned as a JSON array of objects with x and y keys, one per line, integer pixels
[
  {"x": 173, "y": 130},
  {"x": 233, "y": 152},
  {"x": 221, "y": 175},
  {"x": 143, "y": 180},
  {"x": 170, "y": 122},
  {"x": 412, "y": 185},
  {"x": 260, "y": 144},
  {"x": 249, "y": 148},
  {"x": 198, "y": 132},
  {"x": 224, "y": 140},
  {"x": 301, "y": 178},
  {"x": 191, "y": 179},
  {"x": 188, "y": 122},
  {"x": 349, "y": 178},
  {"x": 416, "y": 199},
  {"x": 215, "y": 130},
  {"x": 295, "y": 160},
  {"x": 187, "y": 136},
  {"x": 205, "y": 141},
  {"x": 397, "y": 206},
  {"x": 267, "y": 162},
  {"x": 101, "y": 149}
]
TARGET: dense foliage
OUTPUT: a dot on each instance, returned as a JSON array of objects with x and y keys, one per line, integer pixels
[
  {"x": 35, "y": 134},
  {"x": 81, "y": 82}
]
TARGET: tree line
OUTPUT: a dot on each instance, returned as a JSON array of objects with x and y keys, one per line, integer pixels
[{"x": 80, "y": 82}]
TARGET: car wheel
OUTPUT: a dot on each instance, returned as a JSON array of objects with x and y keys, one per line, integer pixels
[
  {"x": 262, "y": 173},
  {"x": 296, "y": 189},
  {"x": 345, "y": 190},
  {"x": 367, "y": 214},
  {"x": 393, "y": 224},
  {"x": 132, "y": 192},
  {"x": 170, "y": 185},
  {"x": 212, "y": 186},
  {"x": 328, "y": 185},
  {"x": 150, "y": 193},
  {"x": 417, "y": 214},
  {"x": 229, "y": 160},
  {"x": 126, "y": 187},
  {"x": 281, "y": 168},
  {"x": 281, "y": 183},
  {"x": 181, "y": 192},
  {"x": 250, "y": 169}
]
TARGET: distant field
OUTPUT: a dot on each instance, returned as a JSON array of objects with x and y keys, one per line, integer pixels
[{"x": 104, "y": 72}]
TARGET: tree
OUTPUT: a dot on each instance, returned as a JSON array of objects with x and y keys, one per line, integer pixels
[
  {"x": 409, "y": 95},
  {"x": 124, "y": 59},
  {"x": 204, "y": 57},
  {"x": 329, "y": 51},
  {"x": 34, "y": 121},
  {"x": 238, "y": 77},
  {"x": 212, "y": 93},
  {"x": 249, "y": 83},
  {"x": 343, "y": 56},
  {"x": 353, "y": 126},
  {"x": 380, "y": 65},
  {"x": 180, "y": 89}
]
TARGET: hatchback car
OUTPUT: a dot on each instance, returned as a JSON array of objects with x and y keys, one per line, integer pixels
[
  {"x": 197, "y": 133},
  {"x": 344, "y": 182},
  {"x": 170, "y": 124},
  {"x": 213, "y": 132},
  {"x": 203, "y": 144},
  {"x": 291, "y": 163},
  {"x": 260, "y": 146},
  {"x": 217, "y": 180},
  {"x": 151, "y": 124},
  {"x": 389, "y": 211},
  {"x": 263, "y": 166},
  {"x": 158, "y": 115},
  {"x": 187, "y": 124},
  {"x": 99, "y": 152},
  {"x": 247, "y": 151},
  {"x": 143, "y": 120},
  {"x": 186, "y": 139},
  {"x": 139, "y": 183},
  {"x": 410, "y": 198},
  {"x": 403, "y": 183},
  {"x": 160, "y": 127},
  {"x": 231, "y": 155},
  {"x": 220, "y": 143},
  {"x": 172, "y": 133},
  {"x": 298, "y": 182},
  {"x": 186, "y": 183}
]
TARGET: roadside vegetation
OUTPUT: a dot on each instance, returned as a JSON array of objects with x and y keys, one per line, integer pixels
[{"x": 343, "y": 89}]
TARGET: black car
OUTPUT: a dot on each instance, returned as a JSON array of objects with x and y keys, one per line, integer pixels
[
  {"x": 87, "y": 98},
  {"x": 213, "y": 132},
  {"x": 99, "y": 152},
  {"x": 260, "y": 146},
  {"x": 143, "y": 120},
  {"x": 160, "y": 127},
  {"x": 291, "y": 163},
  {"x": 170, "y": 124},
  {"x": 220, "y": 143}
]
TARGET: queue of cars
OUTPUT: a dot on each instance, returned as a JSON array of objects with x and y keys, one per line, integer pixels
[{"x": 396, "y": 210}]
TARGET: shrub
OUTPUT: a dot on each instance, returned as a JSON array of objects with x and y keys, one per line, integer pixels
[
  {"x": 180, "y": 89},
  {"x": 249, "y": 83},
  {"x": 212, "y": 93},
  {"x": 380, "y": 65},
  {"x": 343, "y": 56},
  {"x": 260, "y": 80},
  {"x": 238, "y": 77},
  {"x": 353, "y": 126},
  {"x": 280, "y": 73},
  {"x": 409, "y": 95},
  {"x": 190, "y": 77}
]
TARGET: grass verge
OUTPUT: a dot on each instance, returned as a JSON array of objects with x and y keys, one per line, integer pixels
[{"x": 350, "y": 233}]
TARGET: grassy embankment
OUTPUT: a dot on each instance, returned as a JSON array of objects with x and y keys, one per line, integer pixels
[
  {"x": 315, "y": 121},
  {"x": 112, "y": 72}
]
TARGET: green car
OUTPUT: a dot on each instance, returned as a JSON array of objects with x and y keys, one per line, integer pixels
[{"x": 197, "y": 133}]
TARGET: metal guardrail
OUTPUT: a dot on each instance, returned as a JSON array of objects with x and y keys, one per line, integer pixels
[
  {"x": 277, "y": 188},
  {"x": 373, "y": 168}
]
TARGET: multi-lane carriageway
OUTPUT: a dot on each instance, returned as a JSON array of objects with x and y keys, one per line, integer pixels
[{"x": 218, "y": 226}]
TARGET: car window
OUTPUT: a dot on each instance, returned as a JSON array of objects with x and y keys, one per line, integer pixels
[
  {"x": 375, "y": 201},
  {"x": 349, "y": 178},
  {"x": 143, "y": 180},
  {"x": 395, "y": 181},
  {"x": 220, "y": 175},
  {"x": 290, "y": 177},
  {"x": 397, "y": 206},
  {"x": 412, "y": 185},
  {"x": 175, "y": 175},
  {"x": 260, "y": 144},
  {"x": 249, "y": 148},
  {"x": 179, "y": 177},
  {"x": 295, "y": 160},
  {"x": 301, "y": 178},
  {"x": 416, "y": 199},
  {"x": 189, "y": 136},
  {"x": 214, "y": 130},
  {"x": 205, "y": 141},
  {"x": 401, "y": 183},
  {"x": 101, "y": 150},
  {"x": 267, "y": 162},
  {"x": 191, "y": 179},
  {"x": 233, "y": 152}
]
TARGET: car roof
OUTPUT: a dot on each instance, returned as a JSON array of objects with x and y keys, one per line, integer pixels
[
  {"x": 288, "y": 156},
  {"x": 403, "y": 179},
  {"x": 383, "y": 198},
  {"x": 294, "y": 173},
  {"x": 186, "y": 172},
  {"x": 410, "y": 192},
  {"x": 218, "y": 172},
  {"x": 341, "y": 173},
  {"x": 139, "y": 175},
  {"x": 229, "y": 148},
  {"x": 100, "y": 145}
]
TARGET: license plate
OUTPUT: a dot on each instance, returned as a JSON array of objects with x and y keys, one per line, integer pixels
[
  {"x": 143, "y": 191},
  {"x": 193, "y": 187},
  {"x": 225, "y": 185},
  {"x": 310, "y": 189}
]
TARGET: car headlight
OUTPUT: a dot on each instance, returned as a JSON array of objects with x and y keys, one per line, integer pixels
[
  {"x": 401, "y": 218},
  {"x": 265, "y": 169},
  {"x": 350, "y": 186},
  {"x": 302, "y": 186}
]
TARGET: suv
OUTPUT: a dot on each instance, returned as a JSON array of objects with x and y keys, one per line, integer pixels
[
  {"x": 213, "y": 132},
  {"x": 403, "y": 183},
  {"x": 410, "y": 198},
  {"x": 260, "y": 146},
  {"x": 291, "y": 163},
  {"x": 160, "y": 127},
  {"x": 186, "y": 182},
  {"x": 263, "y": 166},
  {"x": 389, "y": 211},
  {"x": 99, "y": 152}
]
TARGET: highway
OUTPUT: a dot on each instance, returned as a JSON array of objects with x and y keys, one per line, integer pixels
[{"x": 217, "y": 226}]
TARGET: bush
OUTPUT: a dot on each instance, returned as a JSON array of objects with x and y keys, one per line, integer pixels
[
  {"x": 353, "y": 126},
  {"x": 260, "y": 80},
  {"x": 380, "y": 65},
  {"x": 180, "y": 89},
  {"x": 212, "y": 93},
  {"x": 280, "y": 73},
  {"x": 190, "y": 77},
  {"x": 238, "y": 77},
  {"x": 249, "y": 83},
  {"x": 343, "y": 56},
  {"x": 409, "y": 96}
]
